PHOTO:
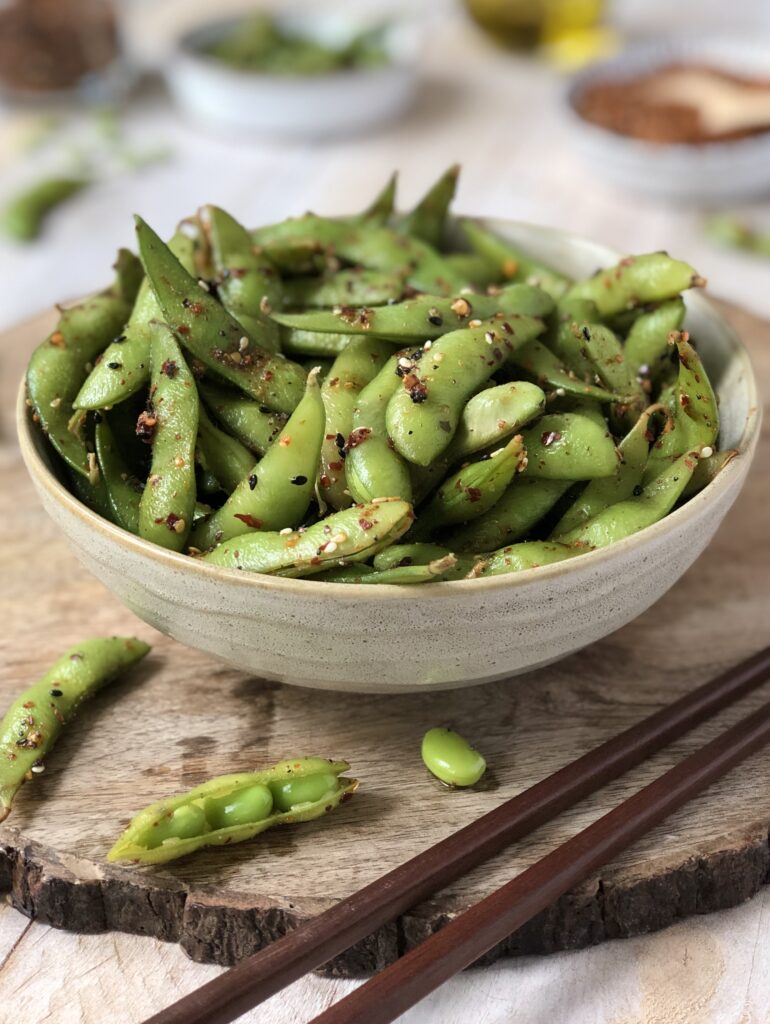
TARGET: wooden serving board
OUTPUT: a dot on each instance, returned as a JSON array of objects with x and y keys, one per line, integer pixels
[{"x": 182, "y": 718}]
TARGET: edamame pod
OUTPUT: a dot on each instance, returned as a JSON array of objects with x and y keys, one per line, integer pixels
[
  {"x": 568, "y": 446},
  {"x": 635, "y": 281},
  {"x": 248, "y": 285},
  {"x": 565, "y": 339},
  {"x": 352, "y": 535},
  {"x": 423, "y": 414},
  {"x": 510, "y": 263},
  {"x": 426, "y": 316},
  {"x": 222, "y": 455},
  {"x": 349, "y": 287},
  {"x": 380, "y": 210},
  {"x": 405, "y": 575},
  {"x": 539, "y": 362},
  {"x": 646, "y": 343},
  {"x": 171, "y": 424},
  {"x": 33, "y": 722},
  {"x": 124, "y": 366},
  {"x": 253, "y": 425},
  {"x": 352, "y": 370},
  {"x": 212, "y": 335},
  {"x": 233, "y": 809},
  {"x": 427, "y": 220},
  {"x": 606, "y": 355},
  {"x": 404, "y": 555},
  {"x": 23, "y": 217},
  {"x": 123, "y": 490},
  {"x": 315, "y": 344},
  {"x": 708, "y": 468},
  {"x": 277, "y": 491},
  {"x": 494, "y": 414},
  {"x": 529, "y": 554},
  {"x": 60, "y": 364},
  {"x": 449, "y": 756}
]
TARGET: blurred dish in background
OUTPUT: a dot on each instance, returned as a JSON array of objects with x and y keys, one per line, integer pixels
[
  {"x": 685, "y": 118},
  {"x": 301, "y": 73},
  {"x": 59, "y": 46}
]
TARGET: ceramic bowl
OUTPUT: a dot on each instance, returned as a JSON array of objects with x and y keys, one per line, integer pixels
[
  {"x": 711, "y": 173},
  {"x": 249, "y": 103},
  {"x": 363, "y": 638}
]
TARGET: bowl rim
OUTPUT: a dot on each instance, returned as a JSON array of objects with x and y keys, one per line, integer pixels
[{"x": 311, "y": 588}]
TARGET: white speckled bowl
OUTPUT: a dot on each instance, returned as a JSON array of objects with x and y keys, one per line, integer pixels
[{"x": 441, "y": 635}]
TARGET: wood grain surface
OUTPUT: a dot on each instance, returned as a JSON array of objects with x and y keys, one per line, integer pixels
[{"x": 182, "y": 718}]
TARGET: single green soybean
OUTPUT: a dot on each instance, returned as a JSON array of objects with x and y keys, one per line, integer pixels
[
  {"x": 212, "y": 335},
  {"x": 249, "y": 422},
  {"x": 60, "y": 364},
  {"x": 233, "y": 809},
  {"x": 34, "y": 721},
  {"x": 277, "y": 491},
  {"x": 635, "y": 281},
  {"x": 351, "y": 535},
  {"x": 24, "y": 215},
  {"x": 569, "y": 446},
  {"x": 448, "y": 755},
  {"x": 124, "y": 366}
]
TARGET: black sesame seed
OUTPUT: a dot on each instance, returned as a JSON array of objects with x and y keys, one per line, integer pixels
[
  {"x": 299, "y": 480},
  {"x": 120, "y": 337},
  {"x": 339, "y": 440},
  {"x": 586, "y": 334},
  {"x": 115, "y": 366},
  {"x": 638, "y": 490},
  {"x": 436, "y": 319},
  {"x": 55, "y": 693},
  {"x": 252, "y": 481},
  {"x": 98, "y": 417}
]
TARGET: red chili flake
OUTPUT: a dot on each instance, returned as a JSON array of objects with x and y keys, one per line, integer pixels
[
  {"x": 182, "y": 329},
  {"x": 415, "y": 388},
  {"x": 146, "y": 425},
  {"x": 249, "y": 520},
  {"x": 357, "y": 437},
  {"x": 336, "y": 466},
  {"x": 169, "y": 368},
  {"x": 57, "y": 339},
  {"x": 170, "y": 520},
  {"x": 28, "y": 704},
  {"x": 267, "y": 375},
  {"x": 474, "y": 494},
  {"x": 325, "y": 480},
  {"x": 549, "y": 437},
  {"x": 365, "y": 524},
  {"x": 330, "y": 437}
]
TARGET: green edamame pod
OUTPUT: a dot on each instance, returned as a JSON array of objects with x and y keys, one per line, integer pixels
[
  {"x": 423, "y": 414},
  {"x": 313, "y": 344},
  {"x": 244, "y": 418},
  {"x": 646, "y": 343},
  {"x": 248, "y": 285},
  {"x": 426, "y": 316},
  {"x": 599, "y": 494},
  {"x": 606, "y": 355},
  {"x": 33, "y": 722},
  {"x": 696, "y": 413},
  {"x": 345, "y": 573},
  {"x": 655, "y": 501},
  {"x": 510, "y": 263},
  {"x": 171, "y": 421},
  {"x": 539, "y": 362},
  {"x": 404, "y": 575},
  {"x": 212, "y": 335},
  {"x": 59, "y": 365},
  {"x": 277, "y": 492},
  {"x": 494, "y": 414},
  {"x": 380, "y": 210},
  {"x": 523, "y": 505},
  {"x": 385, "y": 249},
  {"x": 222, "y": 455},
  {"x": 373, "y": 469},
  {"x": 402, "y": 556},
  {"x": 427, "y": 220},
  {"x": 93, "y": 494},
  {"x": 529, "y": 554},
  {"x": 300, "y": 256},
  {"x": 448, "y": 756},
  {"x": 350, "y": 287},
  {"x": 23, "y": 217},
  {"x": 352, "y": 370},
  {"x": 123, "y": 490},
  {"x": 565, "y": 339},
  {"x": 476, "y": 270},
  {"x": 569, "y": 446},
  {"x": 352, "y": 535},
  {"x": 233, "y": 809},
  {"x": 124, "y": 366},
  {"x": 708, "y": 468},
  {"x": 635, "y": 281},
  {"x": 472, "y": 490}
]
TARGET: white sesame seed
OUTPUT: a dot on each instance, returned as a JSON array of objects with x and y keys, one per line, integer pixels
[
  {"x": 495, "y": 453},
  {"x": 707, "y": 452},
  {"x": 285, "y": 531},
  {"x": 428, "y": 345},
  {"x": 38, "y": 769},
  {"x": 474, "y": 323},
  {"x": 243, "y": 344},
  {"x": 55, "y": 403},
  {"x": 330, "y": 547},
  {"x": 560, "y": 392},
  {"x": 203, "y": 284},
  {"x": 339, "y": 538},
  {"x": 403, "y": 361}
]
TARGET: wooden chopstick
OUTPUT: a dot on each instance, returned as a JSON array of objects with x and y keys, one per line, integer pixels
[
  {"x": 474, "y": 932},
  {"x": 315, "y": 941}
]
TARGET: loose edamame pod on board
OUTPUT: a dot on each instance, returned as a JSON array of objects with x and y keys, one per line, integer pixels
[
  {"x": 635, "y": 281},
  {"x": 233, "y": 809},
  {"x": 696, "y": 413},
  {"x": 655, "y": 500},
  {"x": 423, "y": 414},
  {"x": 221, "y": 455},
  {"x": 124, "y": 366},
  {"x": 373, "y": 468},
  {"x": 212, "y": 335},
  {"x": 646, "y": 343},
  {"x": 23, "y": 217},
  {"x": 352, "y": 370},
  {"x": 428, "y": 218},
  {"x": 253, "y": 425},
  {"x": 524, "y": 504},
  {"x": 171, "y": 423},
  {"x": 123, "y": 490},
  {"x": 59, "y": 365},
  {"x": 33, "y": 722},
  {"x": 569, "y": 446},
  {"x": 423, "y": 317},
  {"x": 448, "y": 755},
  {"x": 248, "y": 285},
  {"x": 529, "y": 554},
  {"x": 352, "y": 535},
  {"x": 510, "y": 262},
  {"x": 277, "y": 492}
]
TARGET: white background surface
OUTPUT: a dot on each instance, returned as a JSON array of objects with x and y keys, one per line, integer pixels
[{"x": 501, "y": 119}]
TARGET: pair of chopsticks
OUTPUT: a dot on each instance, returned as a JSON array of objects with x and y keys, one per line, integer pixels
[{"x": 474, "y": 932}]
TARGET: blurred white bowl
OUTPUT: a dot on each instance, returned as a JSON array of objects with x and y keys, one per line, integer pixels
[
  {"x": 249, "y": 102},
  {"x": 711, "y": 172}
]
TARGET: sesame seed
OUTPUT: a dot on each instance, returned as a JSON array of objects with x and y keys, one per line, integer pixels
[
  {"x": 330, "y": 547},
  {"x": 243, "y": 344},
  {"x": 706, "y": 452},
  {"x": 285, "y": 531},
  {"x": 55, "y": 403},
  {"x": 339, "y": 538},
  {"x": 560, "y": 392},
  {"x": 474, "y": 323},
  {"x": 38, "y": 769},
  {"x": 428, "y": 345},
  {"x": 203, "y": 284}
]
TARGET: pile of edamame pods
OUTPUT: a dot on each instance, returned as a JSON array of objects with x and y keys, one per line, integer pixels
[{"x": 382, "y": 398}]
